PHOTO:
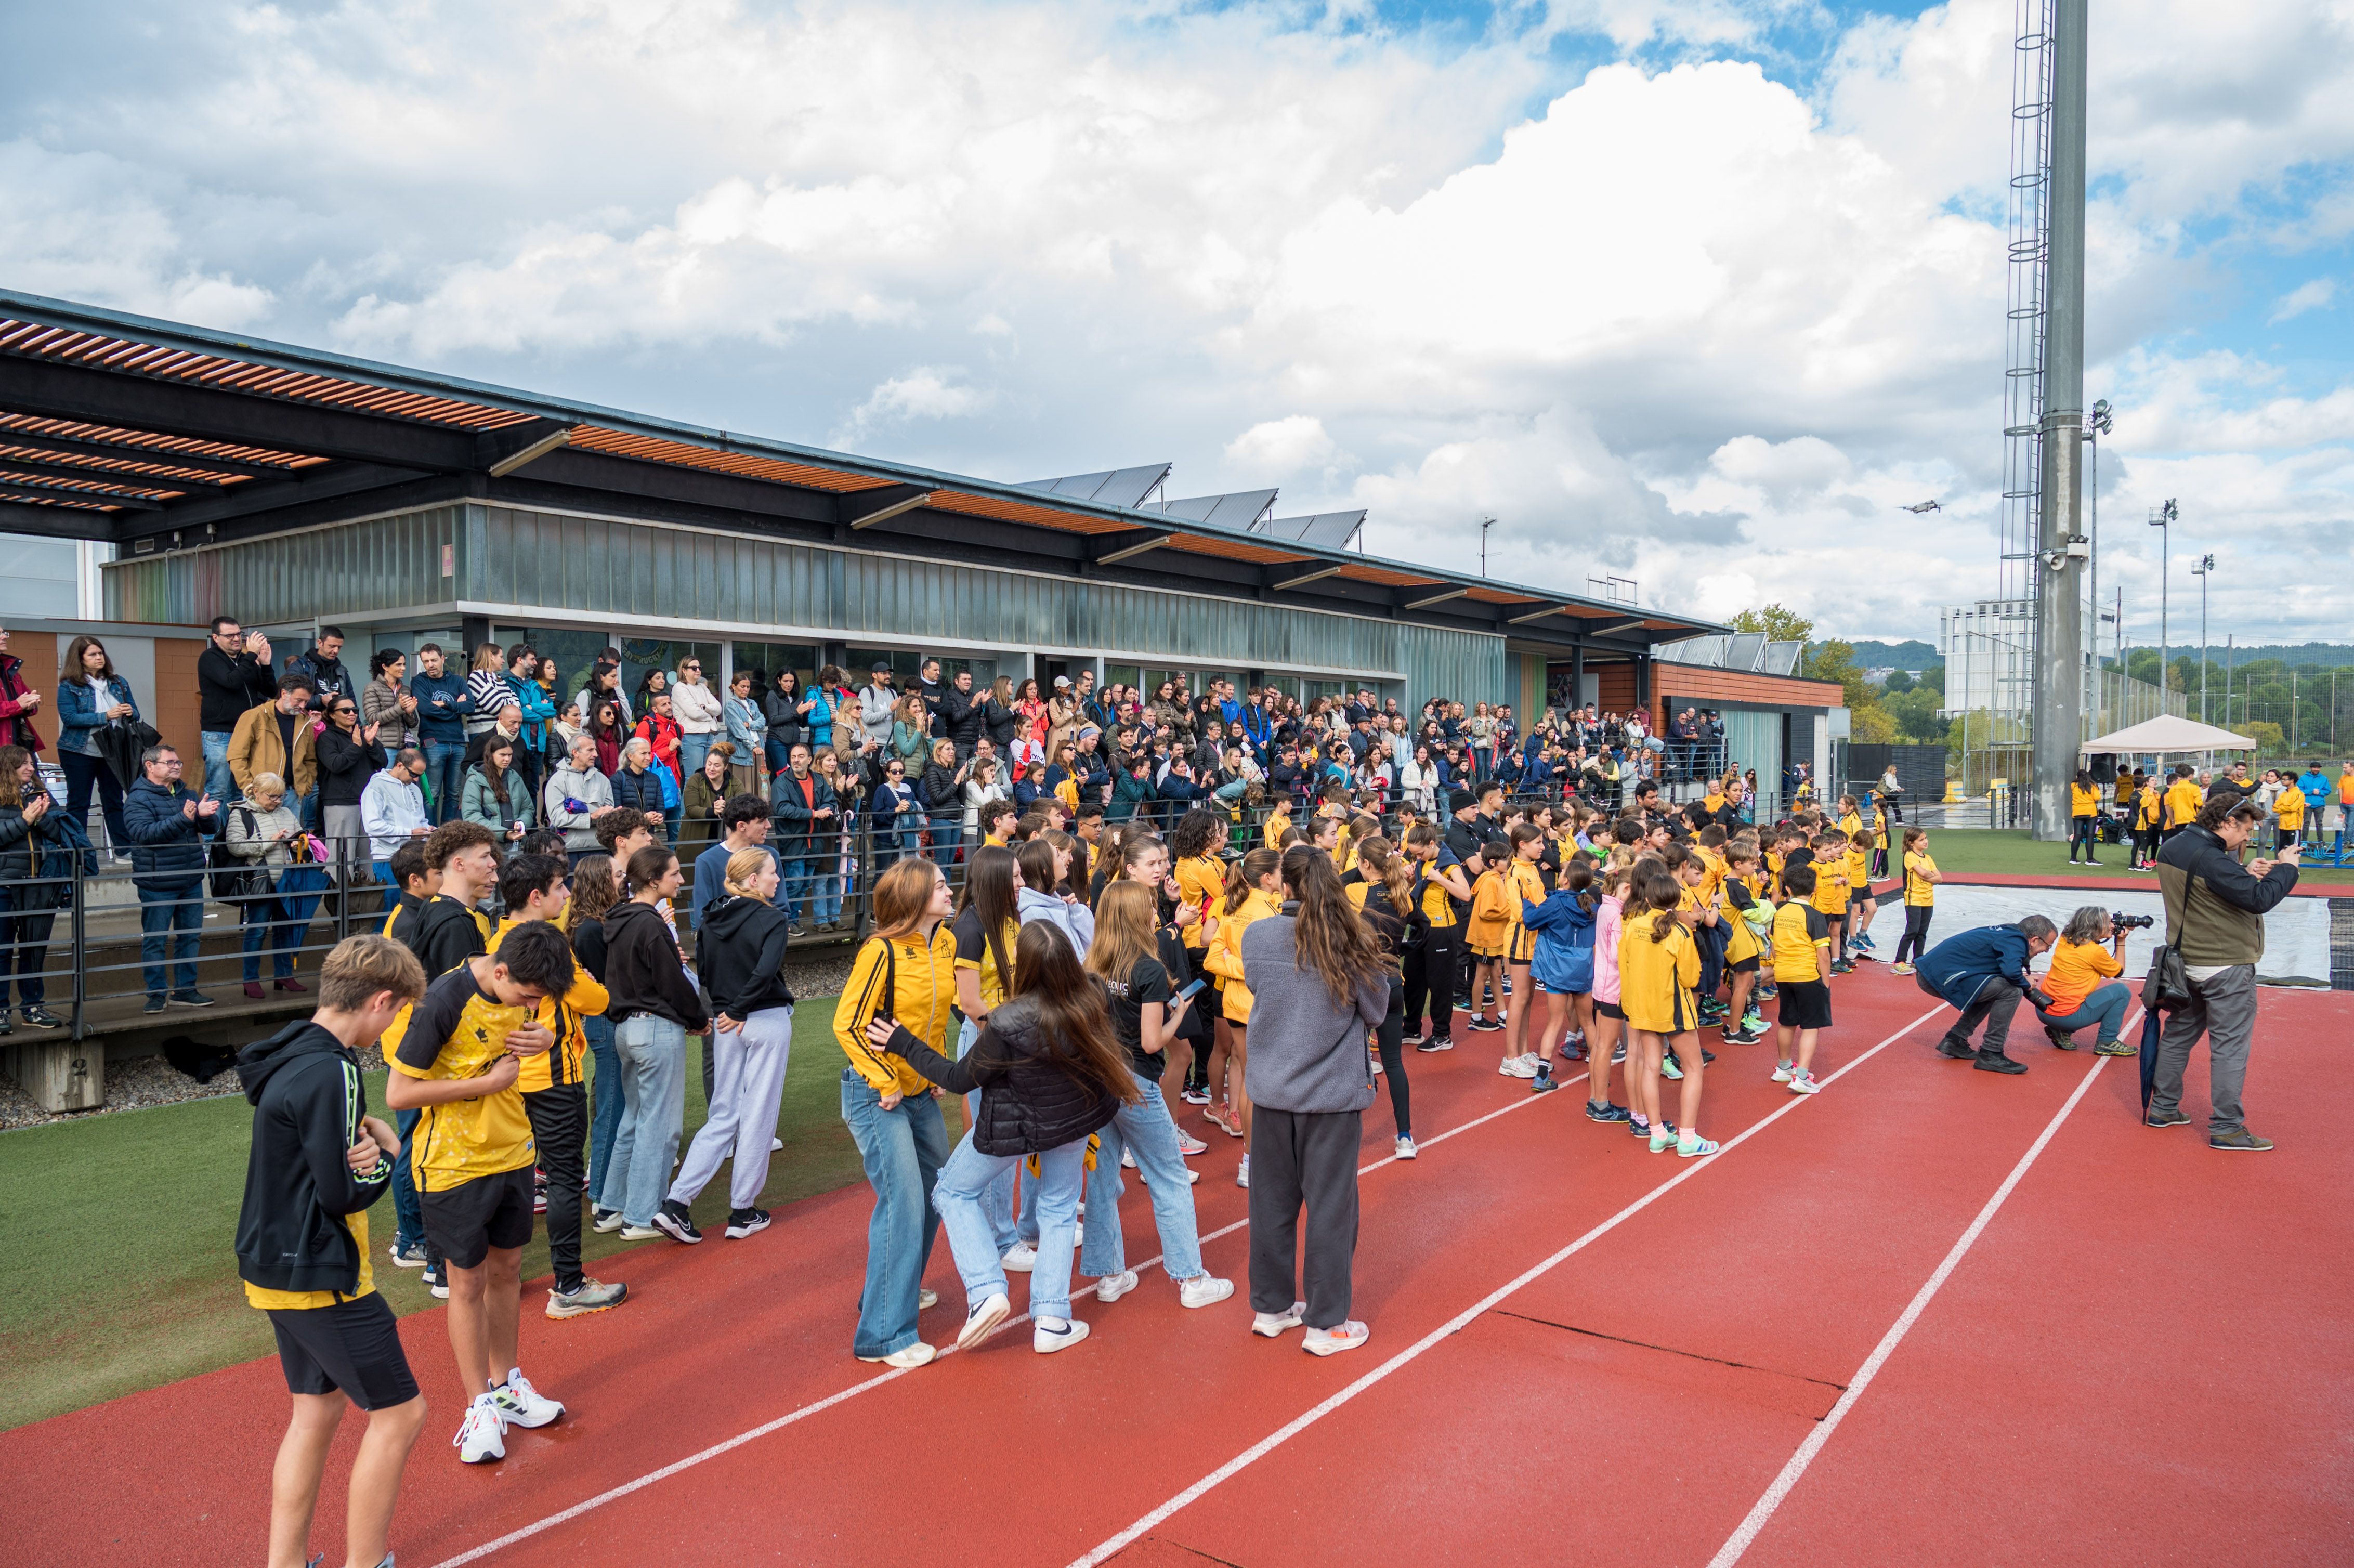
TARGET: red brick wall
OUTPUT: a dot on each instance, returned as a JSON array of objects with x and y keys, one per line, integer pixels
[
  {"x": 174, "y": 711},
  {"x": 1703, "y": 687}
]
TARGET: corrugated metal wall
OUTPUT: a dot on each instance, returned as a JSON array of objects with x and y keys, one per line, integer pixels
[{"x": 656, "y": 575}]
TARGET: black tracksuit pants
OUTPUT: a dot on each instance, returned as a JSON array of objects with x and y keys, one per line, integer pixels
[
  {"x": 1304, "y": 1158},
  {"x": 1430, "y": 968},
  {"x": 559, "y": 1127}
]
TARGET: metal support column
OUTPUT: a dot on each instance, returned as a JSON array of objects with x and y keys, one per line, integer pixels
[{"x": 2061, "y": 549}]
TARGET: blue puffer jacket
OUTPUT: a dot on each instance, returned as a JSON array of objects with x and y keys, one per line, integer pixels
[
  {"x": 167, "y": 850},
  {"x": 1564, "y": 957},
  {"x": 80, "y": 716},
  {"x": 1957, "y": 967}
]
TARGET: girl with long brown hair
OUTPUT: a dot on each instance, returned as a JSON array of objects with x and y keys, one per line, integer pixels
[
  {"x": 1050, "y": 1073},
  {"x": 1146, "y": 1013},
  {"x": 1384, "y": 895},
  {"x": 595, "y": 890},
  {"x": 1320, "y": 982},
  {"x": 1659, "y": 963},
  {"x": 1254, "y": 892}
]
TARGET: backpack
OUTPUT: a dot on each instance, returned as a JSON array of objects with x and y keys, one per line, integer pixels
[{"x": 233, "y": 876}]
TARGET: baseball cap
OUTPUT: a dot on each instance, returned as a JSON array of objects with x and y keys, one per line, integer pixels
[
  {"x": 1061, "y": 680},
  {"x": 881, "y": 667}
]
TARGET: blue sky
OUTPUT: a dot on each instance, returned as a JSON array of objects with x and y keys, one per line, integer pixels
[{"x": 1695, "y": 292}]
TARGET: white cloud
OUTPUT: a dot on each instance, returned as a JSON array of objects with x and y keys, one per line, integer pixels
[
  {"x": 2312, "y": 295},
  {"x": 1281, "y": 448},
  {"x": 924, "y": 392}
]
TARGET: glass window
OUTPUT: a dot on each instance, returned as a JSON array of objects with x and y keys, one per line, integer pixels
[
  {"x": 768, "y": 658},
  {"x": 859, "y": 664},
  {"x": 1311, "y": 690},
  {"x": 641, "y": 656},
  {"x": 1153, "y": 679},
  {"x": 571, "y": 652},
  {"x": 1123, "y": 674}
]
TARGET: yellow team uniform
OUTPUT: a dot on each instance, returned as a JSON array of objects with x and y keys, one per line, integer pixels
[
  {"x": 1491, "y": 920},
  {"x": 1879, "y": 828},
  {"x": 1438, "y": 904},
  {"x": 2084, "y": 801},
  {"x": 1801, "y": 931},
  {"x": 1199, "y": 876},
  {"x": 909, "y": 979},
  {"x": 2153, "y": 806},
  {"x": 1850, "y": 823},
  {"x": 1859, "y": 874},
  {"x": 1522, "y": 880},
  {"x": 563, "y": 1015},
  {"x": 1830, "y": 887},
  {"x": 1656, "y": 979},
  {"x": 354, "y": 1102},
  {"x": 1920, "y": 893},
  {"x": 1223, "y": 957},
  {"x": 2183, "y": 799},
  {"x": 2290, "y": 808},
  {"x": 458, "y": 1030},
  {"x": 1740, "y": 941}
]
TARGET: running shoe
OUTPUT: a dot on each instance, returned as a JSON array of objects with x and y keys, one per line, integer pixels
[
  {"x": 1272, "y": 1325},
  {"x": 1332, "y": 1341},
  {"x": 2115, "y": 1048},
  {"x": 1127, "y": 1160},
  {"x": 1405, "y": 1149},
  {"x": 927, "y": 1299},
  {"x": 1804, "y": 1084},
  {"x": 1486, "y": 1025},
  {"x": 409, "y": 1256},
  {"x": 1844, "y": 966},
  {"x": 986, "y": 1314},
  {"x": 1670, "y": 1068},
  {"x": 1618, "y": 1057},
  {"x": 606, "y": 1221},
  {"x": 1021, "y": 1258},
  {"x": 1603, "y": 1112},
  {"x": 1706, "y": 1056},
  {"x": 1638, "y": 1125},
  {"x": 1753, "y": 1023},
  {"x": 482, "y": 1436},
  {"x": 1664, "y": 1138},
  {"x": 1194, "y": 1096},
  {"x": 539, "y": 1191},
  {"x": 1047, "y": 1341},
  {"x": 1204, "y": 1290},
  {"x": 1863, "y": 940},
  {"x": 1542, "y": 1084},
  {"x": 1112, "y": 1286},
  {"x": 915, "y": 1355},
  {"x": 742, "y": 1222},
  {"x": 1515, "y": 1068},
  {"x": 1188, "y": 1144},
  {"x": 1224, "y": 1119},
  {"x": 1376, "y": 1066},
  {"x": 1692, "y": 1146},
  {"x": 522, "y": 1404},
  {"x": 1899, "y": 967},
  {"x": 1748, "y": 1035},
  {"x": 639, "y": 1233},
  {"x": 590, "y": 1296},
  {"x": 1242, "y": 1172},
  {"x": 672, "y": 1220},
  {"x": 1437, "y": 1043},
  {"x": 437, "y": 1282},
  {"x": 1784, "y": 1072}
]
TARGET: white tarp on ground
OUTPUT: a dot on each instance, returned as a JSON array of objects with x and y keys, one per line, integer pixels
[
  {"x": 2296, "y": 933},
  {"x": 2169, "y": 733}
]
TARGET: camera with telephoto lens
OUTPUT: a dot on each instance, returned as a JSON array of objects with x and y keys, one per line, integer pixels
[
  {"x": 2039, "y": 999},
  {"x": 2120, "y": 921}
]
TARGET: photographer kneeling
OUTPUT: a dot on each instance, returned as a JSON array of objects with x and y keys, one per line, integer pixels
[
  {"x": 2082, "y": 987},
  {"x": 1982, "y": 973}
]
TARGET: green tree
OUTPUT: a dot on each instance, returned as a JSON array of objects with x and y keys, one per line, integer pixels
[
  {"x": 1898, "y": 683},
  {"x": 1835, "y": 660},
  {"x": 1933, "y": 679},
  {"x": 1778, "y": 623}
]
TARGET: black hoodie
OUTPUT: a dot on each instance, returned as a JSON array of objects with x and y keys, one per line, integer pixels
[
  {"x": 304, "y": 1226},
  {"x": 444, "y": 935},
  {"x": 643, "y": 973},
  {"x": 739, "y": 948}
]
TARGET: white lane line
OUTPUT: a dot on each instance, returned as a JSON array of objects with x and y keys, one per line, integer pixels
[
  {"x": 1742, "y": 1538},
  {"x": 1463, "y": 1319},
  {"x": 615, "y": 1494}
]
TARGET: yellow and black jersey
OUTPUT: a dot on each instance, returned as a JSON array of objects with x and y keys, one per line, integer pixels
[
  {"x": 1522, "y": 882},
  {"x": 1656, "y": 979},
  {"x": 910, "y": 979},
  {"x": 1199, "y": 877},
  {"x": 1830, "y": 886},
  {"x": 1800, "y": 930},
  {"x": 1431, "y": 896},
  {"x": 563, "y": 1015},
  {"x": 2084, "y": 801},
  {"x": 457, "y": 1030},
  {"x": 973, "y": 951},
  {"x": 1919, "y": 891},
  {"x": 1741, "y": 938}
]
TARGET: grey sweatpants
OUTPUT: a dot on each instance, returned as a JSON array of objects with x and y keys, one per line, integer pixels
[
  {"x": 1310, "y": 1158},
  {"x": 2224, "y": 1009},
  {"x": 743, "y": 1116}
]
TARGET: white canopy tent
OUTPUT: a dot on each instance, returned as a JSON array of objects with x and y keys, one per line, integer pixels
[{"x": 2167, "y": 734}]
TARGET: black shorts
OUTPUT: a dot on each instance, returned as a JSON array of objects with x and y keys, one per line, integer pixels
[
  {"x": 1837, "y": 924},
  {"x": 354, "y": 1346},
  {"x": 1747, "y": 966},
  {"x": 1806, "y": 1004},
  {"x": 464, "y": 1222},
  {"x": 1609, "y": 1010}
]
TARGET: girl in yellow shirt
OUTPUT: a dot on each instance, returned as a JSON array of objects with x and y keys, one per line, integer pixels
[
  {"x": 1520, "y": 880},
  {"x": 1659, "y": 963},
  {"x": 1254, "y": 892}
]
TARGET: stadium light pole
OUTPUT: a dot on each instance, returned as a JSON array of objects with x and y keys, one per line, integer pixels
[
  {"x": 2202, "y": 569},
  {"x": 2097, "y": 424},
  {"x": 1485, "y": 524},
  {"x": 2163, "y": 521}
]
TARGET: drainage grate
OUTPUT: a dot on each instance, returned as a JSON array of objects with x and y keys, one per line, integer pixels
[{"x": 2341, "y": 944}]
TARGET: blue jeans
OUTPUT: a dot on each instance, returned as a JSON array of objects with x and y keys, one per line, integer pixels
[
  {"x": 1146, "y": 1129},
  {"x": 267, "y": 925},
  {"x": 968, "y": 1175},
  {"x": 445, "y": 763},
  {"x": 407, "y": 1214},
  {"x": 947, "y": 832},
  {"x": 24, "y": 945},
  {"x": 83, "y": 771},
  {"x": 220, "y": 782},
  {"x": 653, "y": 1082},
  {"x": 998, "y": 1201},
  {"x": 902, "y": 1149},
  {"x": 605, "y": 1121},
  {"x": 692, "y": 750},
  {"x": 2106, "y": 1006},
  {"x": 825, "y": 886},
  {"x": 178, "y": 910}
]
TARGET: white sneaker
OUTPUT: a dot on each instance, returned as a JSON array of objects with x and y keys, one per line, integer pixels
[
  {"x": 927, "y": 1299},
  {"x": 637, "y": 1232},
  {"x": 483, "y": 1435},
  {"x": 1332, "y": 1341},
  {"x": 915, "y": 1355},
  {"x": 1127, "y": 1160},
  {"x": 1405, "y": 1149},
  {"x": 1242, "y": 1172},
  {"x": 986, "y": 1314},
  {"x": 1046, "y": 1342},
  {"x": 1188, "y": 1144},
  {"x": 609, "y": 1220},
  {"x": 776, "y": 1144},
  {"x": 522, "y": 1404},
  {"x": 1804, "y": 1084},
  {"x": 1518, "y": 1068},
  {"x": 1202, "y": 1291},
  {"x": 1112, "y": 1286},
  {"x": 1271, "y": 1325},
  {"x": 1021, "y": 1259},
  {"x": 1783, "y": 1072}
]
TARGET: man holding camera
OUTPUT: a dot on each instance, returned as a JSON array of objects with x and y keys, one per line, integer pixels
[
  {"x": 1982, "y": 973},
  {"x": 2082, "y": 987},
  {"x": 2215, "y": 911}
]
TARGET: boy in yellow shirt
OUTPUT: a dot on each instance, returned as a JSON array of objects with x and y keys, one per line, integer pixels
[
  {"x": 1920, "y": 900},
  {"x": 2183, "y": 799},
  {"x": 1830, "y": 894},
  {"x": 1801, "y": 952},
  {"x": 1485, "y": 933},
  {"x": 2288, "y": 810},
  {"x": 1862, "y": 905}
]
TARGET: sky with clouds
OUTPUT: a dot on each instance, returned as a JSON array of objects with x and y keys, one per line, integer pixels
[{"x": 1698, "y": 292}]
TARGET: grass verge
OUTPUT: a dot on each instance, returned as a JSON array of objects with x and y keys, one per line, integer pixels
[{"x": 2011, "y": 852}]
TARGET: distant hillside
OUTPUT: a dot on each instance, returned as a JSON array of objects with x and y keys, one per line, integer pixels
[
  {"x": 2329, "y": 655},
  {"x": 1914, "y": 656}
]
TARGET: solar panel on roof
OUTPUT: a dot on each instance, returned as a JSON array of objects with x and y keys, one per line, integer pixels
[
  {"x": 1327, "y": 530},
  {"x": 1105, "y": 487},
  {"x": 1237, "y": 510}
]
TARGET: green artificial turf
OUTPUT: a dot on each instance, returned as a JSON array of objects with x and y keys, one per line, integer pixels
[
  {"x": 116, "y": 1272},
  {"x": 2011, "y": 852}
]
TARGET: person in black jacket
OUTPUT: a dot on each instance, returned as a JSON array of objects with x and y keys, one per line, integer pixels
[
  {"x": 448, "y": 930},
  {"x": 233, "y": 674},
  {"x": 316, "y": 1164},
  {"x": 32, "y": 829},
  {"x": 740, "y": 953},
  {"x": 655, "y": 1007},
  {"x": 1051, "y": 1072}
]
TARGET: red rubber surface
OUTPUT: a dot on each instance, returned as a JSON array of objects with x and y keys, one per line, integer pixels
[{"x": 2144, "y": 1358}]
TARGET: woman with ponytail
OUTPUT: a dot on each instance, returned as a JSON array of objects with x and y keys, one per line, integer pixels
[
  {"x": 1384, "y": 895},
  {"x": 1320, "y": 983},
  {"x": 1254, "y": 892}
]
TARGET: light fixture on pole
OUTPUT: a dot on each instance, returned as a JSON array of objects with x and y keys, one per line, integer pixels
[
  {"x": 2202, "y": 569},
  {"x": 2097, "y": 424},
  {"x": 1485, "y": 524},
  {"x": 2163, "y": 522}
]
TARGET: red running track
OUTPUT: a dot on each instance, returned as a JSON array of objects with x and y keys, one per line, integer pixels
[{"x": 2143, "y": 1356}]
